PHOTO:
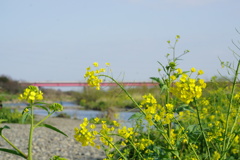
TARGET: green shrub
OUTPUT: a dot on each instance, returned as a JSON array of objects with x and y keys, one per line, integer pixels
[{"x": 11, "y": 116}]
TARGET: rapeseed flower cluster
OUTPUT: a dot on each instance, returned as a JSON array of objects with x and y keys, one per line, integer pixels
[
  {"x": 207, "y": 128},
  {"x": 88, "y": 133},
  {"x": 154, "y": 112},
  {"x": 236, "y": 144},
  {"x": 105, "y": 134},
  {"x": 216, "y": 156},
  {"x": 143, "y": 143},
  {"x": 125, "y": 132},
  {"x": 214, "y": 121},
  {"x": 107, "y": 131},
  {"x": 237, "y": 97},
  {"x": 31, "y": 94},
  {"x": 187, "y": 116},
  {"x": 92, "y": 76},
  {"x": 85, "y": 134},
  {"x": 150, "y": 107},
  {"x": 186, "y": 89}
]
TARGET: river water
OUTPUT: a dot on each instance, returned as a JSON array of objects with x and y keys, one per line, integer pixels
[
  {"x": 74, "y": 113},
  {"x": 80, "y": 114}
]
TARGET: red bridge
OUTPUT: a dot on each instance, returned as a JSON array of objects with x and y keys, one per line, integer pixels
[{"x": 82, "y": 84}]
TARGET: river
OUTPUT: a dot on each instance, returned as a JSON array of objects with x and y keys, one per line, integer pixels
[{"x": 69, "y": 109}]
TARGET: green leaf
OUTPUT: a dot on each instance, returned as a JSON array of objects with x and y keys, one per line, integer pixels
[
  {"x": 4, "y": 127},
  {"x": 162, "y": 66},
  {"x": 53, "y": 128},
  {"x": 24, "y": 116},
  {"x": 41, "y": 103},
  {"x": 58, "y": 158},
  {"x": 184, "y": 107},
  {"x": 164, "y": 88},
  {"x": 137, "y": 115},
  {"x": 156, "y": 79},
  {"x": 11, "y": 151},
  {"x": 191, "y": 128},
  {"x": 43, "y": 107},
  {"x": 175, "y": 152}
]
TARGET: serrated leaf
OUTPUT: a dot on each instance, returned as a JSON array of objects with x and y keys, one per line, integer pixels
[
  {"x": 52, "y": 128},
  {"x": 12, "y": 152},
  {"x": 4, "y": 127}
]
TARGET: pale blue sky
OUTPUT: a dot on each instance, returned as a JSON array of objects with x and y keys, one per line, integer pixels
[{"x": 55, "y": 40}]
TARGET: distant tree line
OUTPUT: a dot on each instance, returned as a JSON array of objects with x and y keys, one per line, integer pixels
[{"x": 9, "y": 85}]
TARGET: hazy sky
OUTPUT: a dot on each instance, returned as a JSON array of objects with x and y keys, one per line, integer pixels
[{"x": 55, "y": 40}]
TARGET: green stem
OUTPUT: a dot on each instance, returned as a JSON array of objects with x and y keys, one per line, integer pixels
[
  {"x": 167, "y": 101},
  {"x": 125, "y": 91},
  {"x": 30, "y": 134},
  {"x": 43, "y": 120},
  {"x": 201, "y": 127},
  {"x": 232, "y": 141},
  {"x": 167, "y": 139},
  {"x": 114, "y": 146},
  {"x": 229, "y": 111},
  {"x": 14, "y": 146},
  {"x": 186, "y": 136},
  {"x": 136, "y": 149}
]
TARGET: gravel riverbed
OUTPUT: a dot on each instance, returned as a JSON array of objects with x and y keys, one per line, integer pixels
[{"x": 47, "y": 143}]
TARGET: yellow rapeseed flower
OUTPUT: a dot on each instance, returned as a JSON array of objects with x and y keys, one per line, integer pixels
[
  {"x": 187, "y": 88},
  {"x": 31, "y": 94},
  {"x": 115, "y": 123},
  {"x": 95, "y": 64},
  {"x": 193, "y": 69},
  {"x": 200, "y": 72},
  {"x": 93, "y": 76},
  {"x": 216, "y": 156},
  {"x": 169, "y": 107},
  {"x": 173, "y": 77},
  {"x": 25, "y": 110},
  {"x": 84, "y": 135},
  {"x": 96, "y": 119},
  {"x": 179, "y": 71},
  {"x": 92, "y": 126}
]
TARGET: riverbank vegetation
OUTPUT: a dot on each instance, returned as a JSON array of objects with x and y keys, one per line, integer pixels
[
  {"x": 183, "y": 118},
  {"x": 189, "y": 120},
  {"x": 107, "y": 97}
]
